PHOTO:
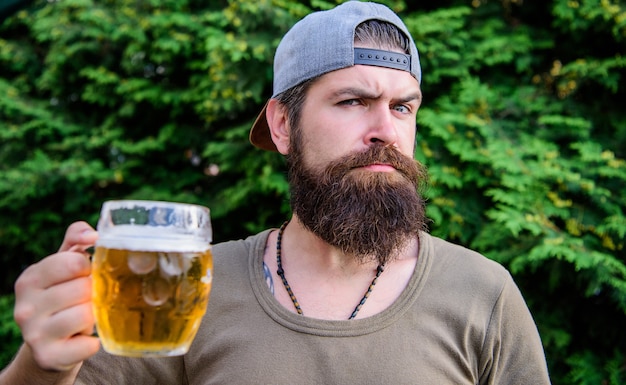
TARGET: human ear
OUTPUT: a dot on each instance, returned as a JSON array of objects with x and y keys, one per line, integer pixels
[{"x": 276, "y": 115}]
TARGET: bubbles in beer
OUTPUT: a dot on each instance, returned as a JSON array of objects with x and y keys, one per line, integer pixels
[
  {"x": 155, "y": 291},
  {"x": 125, "y": 290},
  {"x": 171, "y": 264},
  {"x": 141, "y": 262},
  {"x": 150, "y": 300}
]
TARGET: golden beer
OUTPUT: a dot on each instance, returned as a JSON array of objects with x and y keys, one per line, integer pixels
[
  {"x": 148, "y": 302},
  {"x": 152, "y": 273}
]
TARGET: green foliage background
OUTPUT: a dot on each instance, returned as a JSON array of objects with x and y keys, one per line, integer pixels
[{"x": 523, "y": 128}]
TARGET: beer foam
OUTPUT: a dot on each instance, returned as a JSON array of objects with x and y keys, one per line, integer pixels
[{"x": 135, "y": 238}]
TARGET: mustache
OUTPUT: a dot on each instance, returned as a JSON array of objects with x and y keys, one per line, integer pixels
[{"x": 382, "y": 154}]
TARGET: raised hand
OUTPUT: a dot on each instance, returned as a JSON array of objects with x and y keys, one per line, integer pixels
[{"x": 53, "y": 305}]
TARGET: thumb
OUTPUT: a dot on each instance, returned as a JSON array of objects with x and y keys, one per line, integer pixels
[{"x": 78, "y": 237}]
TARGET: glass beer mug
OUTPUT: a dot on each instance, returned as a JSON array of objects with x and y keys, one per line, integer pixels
[{"x": 152, "y": 273}]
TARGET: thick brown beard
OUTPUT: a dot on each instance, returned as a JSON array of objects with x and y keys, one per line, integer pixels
[{"x": 368, "y": 215}]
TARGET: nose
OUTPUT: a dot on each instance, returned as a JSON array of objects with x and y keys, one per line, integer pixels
[{"x": 382, "y": 127}]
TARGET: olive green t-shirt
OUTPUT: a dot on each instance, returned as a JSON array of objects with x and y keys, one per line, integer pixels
[{"x": 460, "y": 320}]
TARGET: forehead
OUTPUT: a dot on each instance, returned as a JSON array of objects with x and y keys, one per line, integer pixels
[{"x": 379, "y": 80}]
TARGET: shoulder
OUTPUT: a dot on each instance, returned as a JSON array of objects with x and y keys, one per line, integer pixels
[
  {"x": 253, "y": 243},
  {"x": 469, "y": 287},
  {"x": 463, "y": 268},
  {"x": 233, "y": 258},
  {"x": 451, "y": 254}
]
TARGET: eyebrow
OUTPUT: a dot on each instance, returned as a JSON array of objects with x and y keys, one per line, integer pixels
[{"x": 361, "y": 93}]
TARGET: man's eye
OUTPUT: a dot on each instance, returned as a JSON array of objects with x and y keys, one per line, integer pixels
[
  {"x": 402, "y": 108},
  {"x": 349, "y": 102}
]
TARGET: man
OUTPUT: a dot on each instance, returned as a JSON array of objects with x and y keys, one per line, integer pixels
[{"x": 351, "y": 289}]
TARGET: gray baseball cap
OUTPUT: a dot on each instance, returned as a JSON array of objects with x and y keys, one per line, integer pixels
[{"x": 323, "y": 42}]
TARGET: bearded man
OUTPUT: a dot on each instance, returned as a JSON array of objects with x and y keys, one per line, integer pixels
[{"x": 351, "y": 289}]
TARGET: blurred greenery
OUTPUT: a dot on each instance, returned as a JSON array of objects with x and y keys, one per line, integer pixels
[
  {"x": 523, "y": 129},
  {"x": 10, "y": 337}
]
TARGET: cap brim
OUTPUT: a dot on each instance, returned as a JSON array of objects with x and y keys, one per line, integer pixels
[{"x": 260, "y": 133}]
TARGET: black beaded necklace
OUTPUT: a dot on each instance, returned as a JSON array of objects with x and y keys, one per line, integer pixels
[{"x": 281, "y": 273}]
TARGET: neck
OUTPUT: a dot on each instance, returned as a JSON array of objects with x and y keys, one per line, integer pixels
[
  {"x": 281, "y": 272},
  {"x": 317, "y": 255},
  {"x": 329, "y": 284}
]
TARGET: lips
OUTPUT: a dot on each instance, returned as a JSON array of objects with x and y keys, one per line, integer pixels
[{"x": 382, "y": 167}]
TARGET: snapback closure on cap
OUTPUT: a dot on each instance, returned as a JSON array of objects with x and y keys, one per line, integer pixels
[{"x": 377, "y": 57}]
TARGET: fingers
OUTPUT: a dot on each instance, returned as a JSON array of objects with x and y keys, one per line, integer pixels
[
  {"x": 53, "y": 304},
  {"x": 78, "y": 237},
  {"x": 33, "y": 303},
  {"x": 55, "y": 314},
  {"x": 64, "y": 339},
  {"x": 65, "y": 355},
  {"x": 52, "y": 270},
  {"x": 73, "y": 321}
]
